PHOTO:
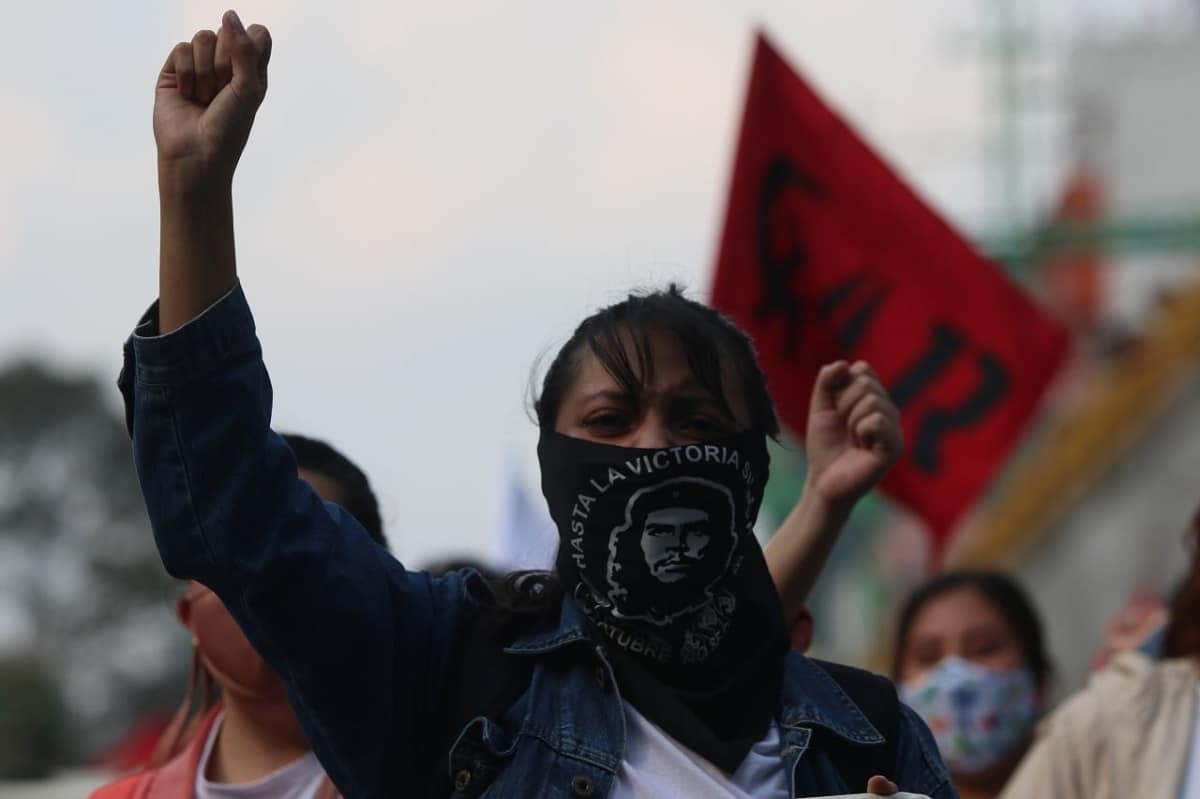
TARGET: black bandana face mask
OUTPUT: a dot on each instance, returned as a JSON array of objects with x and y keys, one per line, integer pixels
[
  {"x": 657, "y": 545},
  {"x": 657, "y": 548}
]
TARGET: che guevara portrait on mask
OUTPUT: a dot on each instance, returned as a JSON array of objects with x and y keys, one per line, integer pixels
[{"x": 675, "y": 544}]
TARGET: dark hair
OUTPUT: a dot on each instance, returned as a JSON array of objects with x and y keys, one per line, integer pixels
[
  {"x": 1005, "y": 594},
  {"x": 444, "y": 566},
  {"x": 1182, "y": 637},
  {"x": 704, "y": 333},
  {"x": 357, "y": 497}
]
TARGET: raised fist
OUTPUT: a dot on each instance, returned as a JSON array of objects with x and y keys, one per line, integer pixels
[
  {"x": 205, "y": 100},
  {"x": 854, "y": 432}
]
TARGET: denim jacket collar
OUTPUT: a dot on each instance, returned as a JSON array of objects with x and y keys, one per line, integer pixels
[
  {"x": 572, "y": 628},
  {"x": 810, "y": 697}
]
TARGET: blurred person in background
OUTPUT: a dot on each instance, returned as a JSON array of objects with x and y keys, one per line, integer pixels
[
  {"x": 971, "y": 659},
  {"x": 248, "y": 742},
  {"x": 1140, "y": 625},
  {"x": 654, "y": 660},
  {"x": 1134, "y": 730}
]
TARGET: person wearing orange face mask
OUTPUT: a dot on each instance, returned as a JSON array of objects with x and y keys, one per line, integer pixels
[{"x": 248, "y": 742}]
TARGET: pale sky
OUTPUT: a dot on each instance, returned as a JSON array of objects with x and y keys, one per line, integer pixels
[{"x": 436, "y": 193}]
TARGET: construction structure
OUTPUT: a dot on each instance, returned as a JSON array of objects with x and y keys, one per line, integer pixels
[{"x": 1096, "y": 506}]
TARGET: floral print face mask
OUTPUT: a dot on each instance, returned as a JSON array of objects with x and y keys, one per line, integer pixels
[{"x": 977, "y": 715}]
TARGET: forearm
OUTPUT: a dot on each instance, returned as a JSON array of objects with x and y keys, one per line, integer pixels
[
  {"x": 197, "y": 264},
  {"x": 797, "y": 552},
  {"x": 853, "y": 436}
]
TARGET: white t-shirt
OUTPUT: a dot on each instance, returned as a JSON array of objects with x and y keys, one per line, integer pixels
[
  {"x": 300, "y": 779},
  {"x": 656, "y": 765},
  {"x": 1191, "y": 775}
]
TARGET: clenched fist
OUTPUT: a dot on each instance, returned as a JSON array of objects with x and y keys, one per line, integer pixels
[
  {"x": 205, "y": 100},
  {"x": 853, "y": 435}
]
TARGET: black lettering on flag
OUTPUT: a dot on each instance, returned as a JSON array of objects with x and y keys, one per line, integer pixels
[
  {"x": 946, "y": 345},
  {"x": 994, "y": 382},
  {"x": 851, "y": 331},
  {"x": 781, "y": 250}
]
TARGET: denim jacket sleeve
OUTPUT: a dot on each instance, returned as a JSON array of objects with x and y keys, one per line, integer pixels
[
  {"x": 919, "y": 766},
  {"x": 361, "y": 643}
]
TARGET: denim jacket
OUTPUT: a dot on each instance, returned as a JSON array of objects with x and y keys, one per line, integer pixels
[{"x": 363, "y": 645}]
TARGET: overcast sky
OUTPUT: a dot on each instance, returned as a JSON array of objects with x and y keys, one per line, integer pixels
[{"x": 435, "y": 193}]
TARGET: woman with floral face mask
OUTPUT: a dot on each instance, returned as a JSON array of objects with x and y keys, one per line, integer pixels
[{"x": 970, "y": 659}]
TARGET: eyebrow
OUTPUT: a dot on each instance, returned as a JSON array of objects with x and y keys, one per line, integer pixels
[
  {"x": 977, "y": 631},
  {"x": 695, "y": 396},
  {"x": 987, "y": 631},
  {"x": 688, "y": 395},
  {"x": 613, "y": 394}
]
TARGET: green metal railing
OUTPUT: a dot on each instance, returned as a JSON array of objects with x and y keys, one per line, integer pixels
[{"x": 1135, "y": 234}]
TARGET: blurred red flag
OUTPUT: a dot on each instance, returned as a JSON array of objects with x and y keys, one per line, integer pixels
[{"x": 828, "y": 255}]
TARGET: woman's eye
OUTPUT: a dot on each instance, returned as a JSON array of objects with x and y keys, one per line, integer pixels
[
  {"x": 986, "y": 651},
  {"x": 925, "y": 658},
  {"x": 702, "y": 424},
  {"x": 608, "y": 421}
]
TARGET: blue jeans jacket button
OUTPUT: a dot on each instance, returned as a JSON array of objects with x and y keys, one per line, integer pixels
[{"x": 582, "y": 785}]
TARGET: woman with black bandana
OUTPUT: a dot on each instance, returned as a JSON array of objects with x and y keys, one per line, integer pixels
[{"x": 655, "y": 660}]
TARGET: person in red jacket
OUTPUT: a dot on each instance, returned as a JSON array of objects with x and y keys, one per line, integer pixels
[{"x": 248, "y": 742}]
